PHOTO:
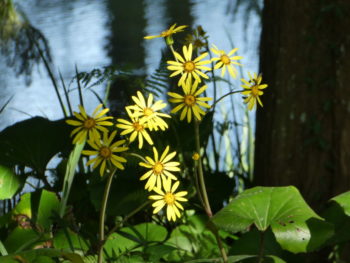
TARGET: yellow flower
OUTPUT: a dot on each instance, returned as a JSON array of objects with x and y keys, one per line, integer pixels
[
  {"x": 147, "y": 112},
  {"x": 137, "y": 129},
  {"x": 187, "y": 67},
  {"x": 89, "y": 126},
  {"x": 160, "y": 168},
  {"x": 104, "y": 151},
  {"x": 253, "y": 90},
  {"x": 169, "y": 198},
  {"x": 190, "y": 102},
  {"x": 226, "y": 61},
  {"x": 167, "y": 33}
]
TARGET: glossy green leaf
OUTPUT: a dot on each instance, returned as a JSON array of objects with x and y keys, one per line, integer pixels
[
  {"x": 344, "y": 201},
  {"x": 9, "y": 183},
  {"x": 281, "y": 208}
]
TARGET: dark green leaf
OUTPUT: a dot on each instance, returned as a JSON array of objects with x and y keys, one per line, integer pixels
[
  {"x": 43, "y": 255},
  {"x": 34, "y": 142}
]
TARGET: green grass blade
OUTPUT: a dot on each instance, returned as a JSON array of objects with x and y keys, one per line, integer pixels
[
  {"x": 69, "y": 176},
  {"x": 3, "y": 250}
]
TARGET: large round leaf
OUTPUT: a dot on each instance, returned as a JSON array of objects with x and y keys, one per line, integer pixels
[
  {"x": 9, "y": 183},
  {"x": 296, "y": 226},
  {"x": 34, "y": 142}
]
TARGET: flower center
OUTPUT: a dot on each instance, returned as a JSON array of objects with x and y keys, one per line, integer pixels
[
  {"x": 89, "y": 123},
  {"x": 225, "y": 59},
  {"x": 189, "y": 66},
  {"x": 158, "y": 168},
  {"x": 255, "y": 91},
  {"x": 137, "y": 126},
  {"x": 190, "y": 100},
  {"x": 169, "y": 198},
  {"x": 147, "y": 112},
  {"x": 105, "y": 152}
]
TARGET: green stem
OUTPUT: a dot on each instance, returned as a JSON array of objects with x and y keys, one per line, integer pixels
[
  {"x": 103, "y": 214},
  {"x": 138, "y": 156},
  {"x": 173, "y": 51},
  {"x": 223, "y": 96},
  {"x": 261, "y": 247},
  {"x": 200, "y": 172},
  {"x": 3, "y": 250},
  {"x": 204, "y": 194},
  {"x": 126, "y": 218}
]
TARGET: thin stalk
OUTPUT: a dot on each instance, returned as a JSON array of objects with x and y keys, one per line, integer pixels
[
  {"x": 204, "y": 194},
  {"x": 200, "y": 175},
  {"x": 79, "y": 87},
  {"x": 173, "y": 51},
  {"x": 126, "y": 218},
  {"x": 103, "y": 214},
  {"x": 224, "y": 96},
  {"x": 261, "y": 247},
  {"x": 53, "y": 80},
  {"x": 3, "y": 250},
  {"x": 66, "y": 95}
]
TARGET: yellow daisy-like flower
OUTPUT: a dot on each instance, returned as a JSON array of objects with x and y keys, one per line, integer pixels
[
  {"x": 253, "y": 90},
  {"x": 169, "y": 198},
  {"x": 160, "y": 168},
  {"x": 104, "y": 151},
  {"x": 226, "y": 61},
  {"x": 148, "y": 111},
  {"x": 190, "y": 102},
  {"x": 167, "y": 33},
  {"x": 89, "y": 126},
  {"x": 137, "y": 128},
  {"x": 187, "y": 67}
]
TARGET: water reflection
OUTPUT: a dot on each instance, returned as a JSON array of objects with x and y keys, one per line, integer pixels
[{"x": 91, "y": 34}]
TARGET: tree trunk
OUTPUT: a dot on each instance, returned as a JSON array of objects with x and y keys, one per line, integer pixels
[{"x": 303, "y": 131}]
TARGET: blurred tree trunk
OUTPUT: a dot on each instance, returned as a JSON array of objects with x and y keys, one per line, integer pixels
[{"x": 303, "y": 131}]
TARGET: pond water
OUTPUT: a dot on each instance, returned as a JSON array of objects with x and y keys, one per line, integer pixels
[{"x": 91, "y": 34}]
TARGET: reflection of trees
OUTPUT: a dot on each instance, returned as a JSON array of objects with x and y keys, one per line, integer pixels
[
  {"x": 20, "y": 42},
  {"x": 127, "y": 25}
]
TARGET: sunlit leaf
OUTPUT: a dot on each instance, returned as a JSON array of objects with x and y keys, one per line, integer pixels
[
  {"x": 344, "y": 201},
  {"x": 37, "y": 207},
  {"x": 9, "y": 183},
  {"x": 296, "y": 226}
]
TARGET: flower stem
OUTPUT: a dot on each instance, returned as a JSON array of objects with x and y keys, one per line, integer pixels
[
  {"x": 203, "y": 192},
  {"x": 223, "y": 96},
  {"x": 173, "y": 51},
  {"x": 103, "y": 214},
  {"x": 200, "y": 175}
]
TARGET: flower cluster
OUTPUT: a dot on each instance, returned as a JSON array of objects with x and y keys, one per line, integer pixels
[
  {"x": 191, "y": 70},
  {"x": 145, "y": 116}
]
